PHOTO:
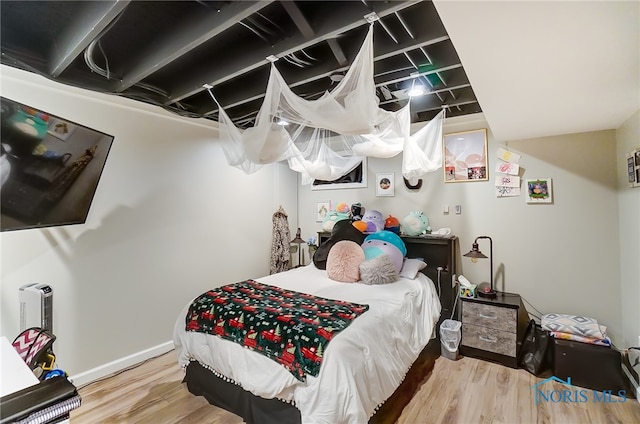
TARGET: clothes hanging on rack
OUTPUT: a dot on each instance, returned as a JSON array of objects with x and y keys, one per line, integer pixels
[{"x": 280, "y": 247}]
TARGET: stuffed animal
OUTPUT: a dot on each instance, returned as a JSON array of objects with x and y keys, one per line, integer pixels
[
  {"x": 357, "y": 211},
  {"x": 342, "y": 207},
  {"x": 374, "y": 220},
  {"x": 385, "y": 243},
  {"x": 331, "y": 218},
  {"x": 342, "y": 230},
  {"x": 392, "y": 224},
  {"x": 343, "y": 261},
  {"x": 360, "y": 225},
  {"x": 415, "y": 223},
  {"x": 24, "y": 131}
]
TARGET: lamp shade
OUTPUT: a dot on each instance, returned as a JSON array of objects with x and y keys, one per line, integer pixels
[
  {"x": 475, "y": 252},
  {"x": 298, "y": 239}
]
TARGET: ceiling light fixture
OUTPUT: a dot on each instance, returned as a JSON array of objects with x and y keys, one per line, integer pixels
[
  {"x": 281, "y": 122},
  {"x": 336, "y": 78},
  {"x": 416, "y": 90}
]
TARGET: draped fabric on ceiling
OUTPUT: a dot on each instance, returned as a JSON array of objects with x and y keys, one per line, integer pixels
[{"x": 328, "y": 137}]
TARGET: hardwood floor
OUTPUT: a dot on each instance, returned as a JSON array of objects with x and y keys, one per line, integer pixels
[{"x": 466, "y": 391}]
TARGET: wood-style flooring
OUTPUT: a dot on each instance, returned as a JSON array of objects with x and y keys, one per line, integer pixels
[{"x": 465, "y": 391}]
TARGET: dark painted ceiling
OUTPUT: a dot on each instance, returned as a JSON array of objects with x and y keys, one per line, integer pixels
[{"x": 164, "y": 52}]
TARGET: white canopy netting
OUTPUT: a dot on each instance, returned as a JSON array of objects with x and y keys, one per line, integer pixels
[{"x": 328, "y": 137}]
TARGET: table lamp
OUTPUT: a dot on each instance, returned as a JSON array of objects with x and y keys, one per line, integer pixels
[{"x": 476, "y": 254}]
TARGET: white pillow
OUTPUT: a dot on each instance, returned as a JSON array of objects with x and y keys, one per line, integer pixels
[{"x": 411, "y": 268}]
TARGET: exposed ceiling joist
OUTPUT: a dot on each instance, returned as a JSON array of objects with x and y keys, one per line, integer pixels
[
  {"x": 78, "y": 34},
  {"x": 326, "y": 69},
  {"x": 163, "y": 52},
  {"x": 187, "y": 36},
  {"x": 337, "y": 51},
  {"x": 351, "y": 17},
  {"x": 298, "y": 18}
]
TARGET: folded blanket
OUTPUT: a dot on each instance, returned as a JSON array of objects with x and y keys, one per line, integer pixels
[
  {"x": 573, "y": 324},
  {"x": 591, "y": 340},
  {"x": 575, "y": 327}
]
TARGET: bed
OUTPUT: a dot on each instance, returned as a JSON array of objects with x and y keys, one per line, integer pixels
[{"x": 369, "y": 370}]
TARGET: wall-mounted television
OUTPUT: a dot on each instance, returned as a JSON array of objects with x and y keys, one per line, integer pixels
[{"x": 49, "y": 167}]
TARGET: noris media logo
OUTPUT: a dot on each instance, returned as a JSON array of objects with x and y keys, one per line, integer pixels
[{"x": 571, "y": 394}]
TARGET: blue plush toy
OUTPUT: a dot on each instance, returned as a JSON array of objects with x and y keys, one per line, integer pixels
[
  {"x": 415, "y": 223},
  {"x": 385, "y": 243},
  {"x": 331, "y": 218}
]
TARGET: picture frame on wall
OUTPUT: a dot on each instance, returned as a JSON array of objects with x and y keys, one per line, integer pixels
[
  {"x": 633, "y": 168},
  {"x": 465, "y": 156},
  {"x": 322, "y": 210},
  {"x": 539, "y": 190},
  {"x": 385, "y": 184},
  {"x": 61, "y": 129}
]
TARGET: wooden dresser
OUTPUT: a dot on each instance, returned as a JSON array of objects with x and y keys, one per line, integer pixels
[{"x": 493, "y": 329}]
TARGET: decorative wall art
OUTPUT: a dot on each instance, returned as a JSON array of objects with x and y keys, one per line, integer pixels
[
  {"x": 322, "y": 209},
  {"x": 465, "y": 156},
  {"x": 385, "y": 184},
  {"x": 61, "y": 129},
  {"x": 633, "y": 168},
  {"x": 507, "y": 180},
  {"x": 539, "y": 190}
]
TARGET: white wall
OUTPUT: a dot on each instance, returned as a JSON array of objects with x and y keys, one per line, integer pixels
[
  {"x": 561, "y": 257},
  {"x": 170, "y": 219},
  {"x": 628, "y": 139}
]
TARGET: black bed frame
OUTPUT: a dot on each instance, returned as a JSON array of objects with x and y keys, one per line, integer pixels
[{"x": 436, "y": 252}]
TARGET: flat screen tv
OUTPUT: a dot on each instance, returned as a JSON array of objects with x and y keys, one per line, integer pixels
[{"x": 50, "y": 168}]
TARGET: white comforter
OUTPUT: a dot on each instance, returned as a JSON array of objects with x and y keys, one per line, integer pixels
[{"x": 362, "y": 366}]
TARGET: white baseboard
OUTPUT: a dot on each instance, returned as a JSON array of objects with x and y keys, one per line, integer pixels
[
  {"x": 634, "y": 383},
  {"x": 119, "y": 364}
]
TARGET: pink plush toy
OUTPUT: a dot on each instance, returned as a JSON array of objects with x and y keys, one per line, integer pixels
[{"x": 343, "y": 262}]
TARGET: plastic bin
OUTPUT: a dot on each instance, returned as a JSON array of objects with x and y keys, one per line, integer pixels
[{"x": 450, "y": 336}]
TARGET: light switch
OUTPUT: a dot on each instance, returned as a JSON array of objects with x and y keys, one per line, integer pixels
[
  {"x": 458, "y": 209},
  {"x": 445, "y": 209}
]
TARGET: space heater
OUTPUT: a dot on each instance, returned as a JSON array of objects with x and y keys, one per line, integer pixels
[{"x": 36, "y": 306}]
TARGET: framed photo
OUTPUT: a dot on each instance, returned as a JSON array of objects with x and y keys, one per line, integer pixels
[
  {"x": 61, "y": 129},
  {"x": 322, "y": 209},
  {"x": 539, "y": 190},
  {"x": 385, "y": 185},
  {"x": 465, "y": 156},
  {"x": 633, "y": 168}
]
